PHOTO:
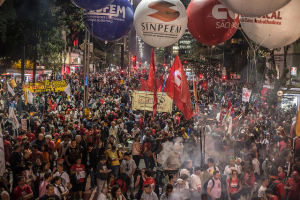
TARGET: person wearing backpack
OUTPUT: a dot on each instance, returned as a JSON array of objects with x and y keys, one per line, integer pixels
[
  {"x": 211, "y": 165},
  {"x": 278, "y": 186},
  {"x": 233, "y": 186},
  {"x": 214, "y": 186},
  {"x": 292, "y": 185}
]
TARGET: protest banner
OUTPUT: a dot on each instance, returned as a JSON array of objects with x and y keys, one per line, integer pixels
[
  {"x": 45, "y": 86},
  {"x": 143, "y": 100}
]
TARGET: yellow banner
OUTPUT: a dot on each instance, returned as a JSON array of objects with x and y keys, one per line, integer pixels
[
  {"x": 143, "y": 100},
  {"x": 87, "y": 112},
  {"x": 45, "y": 86}
]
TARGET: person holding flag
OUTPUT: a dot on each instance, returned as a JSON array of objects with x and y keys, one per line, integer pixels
[{"x": 177, "y": 89}]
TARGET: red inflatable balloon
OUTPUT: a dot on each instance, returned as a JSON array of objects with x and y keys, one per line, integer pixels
[{"x": 210, "y": 22}]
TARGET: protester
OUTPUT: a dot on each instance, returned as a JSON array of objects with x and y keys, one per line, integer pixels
[{"x": 256, "y": 140}]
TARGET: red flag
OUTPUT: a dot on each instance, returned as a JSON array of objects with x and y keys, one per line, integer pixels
[
  {"x": 230, "y": 107},
  {"x": 144, "y": 85},
  {"x": 152, "y": 85},
  {"x": 195, "y": 94},
  {"x": 264, "y": 93},
  {"x": 204, "y": 85},
  {"x": 177, "y": 89}
]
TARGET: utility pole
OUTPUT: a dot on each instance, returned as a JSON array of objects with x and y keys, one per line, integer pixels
[
  {"x": 86, "y": 68},
  {"x": 23, "y": 63}
]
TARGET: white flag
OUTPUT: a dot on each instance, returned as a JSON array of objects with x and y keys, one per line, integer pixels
[
  {"x": 2, "y": 157},
  {"x": 12, "y": 118},
  {"x": 104, "y": 80},
  {"x": 230, "y": 125},
  {"x": 68, "y": 90},
  {"x": 10, "y": 89},
  {"x": 246, "y": 95},
  {"x": 29, "y": 97}
]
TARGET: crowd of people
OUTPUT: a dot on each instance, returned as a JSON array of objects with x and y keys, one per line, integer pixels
[{"x": 252, "y": 153}]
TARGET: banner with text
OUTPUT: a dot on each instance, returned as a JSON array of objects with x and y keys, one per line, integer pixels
[
  {"x": 45, "y": 86},
  {"x": 143, "y": 100}
]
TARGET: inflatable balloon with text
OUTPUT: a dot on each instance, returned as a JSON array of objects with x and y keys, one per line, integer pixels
[
  {"x": 254, "y": 8},
  {"x": 110, "y": 23},
  {"x": 91, "y": 4},
  {"x": 276, "y": 29},
  {"x": 160, "y": 23},
  {"x": 211, "y": 23}
]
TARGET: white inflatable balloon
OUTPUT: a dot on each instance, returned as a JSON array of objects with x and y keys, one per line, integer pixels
[
  {"x": 274, "y": 30},
  {"x": 160, "y": 23},
  {"x": 254, "y": 8}
]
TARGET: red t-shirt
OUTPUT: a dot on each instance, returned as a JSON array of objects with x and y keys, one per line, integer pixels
[
  {"x": 294, "y": 191},
  {"x": 280, "y": 190},
  {"x": 121, "y": 183},
  {"x": 233, "y": 186},
  {"x": 273, "y": 198},
  {"x": 7, "y": 146},
  {"x": 79, "y": 168},
  {"x": 21, "y": 192},
  {"x": 249, "y": 180},
  {"x": 51, "y": 145},
  {"x": 150, "y": 181},
  {"x": 31, "y": 137}
]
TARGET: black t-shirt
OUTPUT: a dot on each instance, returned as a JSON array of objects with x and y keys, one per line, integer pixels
[
  {"x": 73, "y": 154},
  {"x": 52, "y": 197}
]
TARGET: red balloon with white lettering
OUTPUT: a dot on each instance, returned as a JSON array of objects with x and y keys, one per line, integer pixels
[
  {"x": 210, "y": 22},
  {"x": 276, "y": 29}
]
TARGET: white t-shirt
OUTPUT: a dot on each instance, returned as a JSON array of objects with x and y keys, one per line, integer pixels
[
  {"x": 65, "y": 179},
  {"x": 261, "y": 191},
  {"x": 256, "y": 163},
  {"x": 151, "y": 196},
  {"x": 195, "y": 182},
  {"x": 228, "y": 171},
  {"x": 212, "y": 169}
]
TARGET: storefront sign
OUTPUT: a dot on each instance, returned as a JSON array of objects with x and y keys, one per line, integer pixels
[
  {"x": 144, "y": 101},
  {"x": 45, "y": 86},
  {"x": 293, "y": 71}
]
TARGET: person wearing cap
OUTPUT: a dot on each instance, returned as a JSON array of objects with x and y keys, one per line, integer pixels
[
  {"x": 292, "y": 185},
  {"x": 128, "y": 166},
  {"x": 280, "y": 191},
  {"x": 180, "y": 191}
]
